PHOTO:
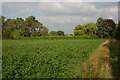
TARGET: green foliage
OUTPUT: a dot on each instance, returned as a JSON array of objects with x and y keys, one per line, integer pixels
[
  {"x": 52, "y": 33},
  {"x": 105, "y": 27},
  {"x": 15, "y": 35},
  {"x": 10, "y": 26},
  {"x": 45, "y": 58},
  {"x": 2, "y": 20},
  {"x": 117, "y": 32},
  {"x": 27, "y": 28},
  {"x": 60, "y": 33},
  {"x": 57, "y": 37},
  {"x": 56, "y": 33},
  {"x": 33, "y": 33},
  {"x": 114, "y": 48},
  {"x": 43, "y": 31},
  {"x": 31, "y": 24},
  {"x": 6, "y": 34},
  {"x": 85, "y": 37},
  {"x": 78, "y": 32},
  {"x": 88, "y": 29},
  {"x": 101, "y": 28}
]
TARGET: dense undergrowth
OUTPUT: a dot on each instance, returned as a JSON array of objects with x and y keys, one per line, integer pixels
[{"x": 114, "y": 48}]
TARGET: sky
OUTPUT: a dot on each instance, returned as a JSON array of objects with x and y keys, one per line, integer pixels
[
  {"x": 60, "y": 15},
  {"x": 60, "y": 0}
]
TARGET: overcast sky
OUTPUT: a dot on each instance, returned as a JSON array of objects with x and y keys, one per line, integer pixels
[{"x": 61, "y": 15}]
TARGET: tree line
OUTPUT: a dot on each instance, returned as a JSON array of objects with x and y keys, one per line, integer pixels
[
  {"x": 15, "y": 28},
  {"x": 30, "y": 26},
  {"x": 103, "y": 28}
]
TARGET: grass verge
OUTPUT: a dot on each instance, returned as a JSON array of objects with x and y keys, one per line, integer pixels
[
  {"x": 98, "y": 66},
  {"x": 114, "y": 48}
]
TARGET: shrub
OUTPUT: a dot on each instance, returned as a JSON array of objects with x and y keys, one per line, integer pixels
[
  {"x": 15, "y": 35},
  {"x": 114, "y": 48},
  {"x": 6, "y": 34},
  {"x": 85, "y": 36}
]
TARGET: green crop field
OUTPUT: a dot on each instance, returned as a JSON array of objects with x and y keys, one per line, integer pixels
[{"x": 45, "y": 58}]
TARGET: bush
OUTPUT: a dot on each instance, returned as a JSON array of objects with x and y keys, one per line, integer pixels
[
  {"x": 78, "y": 32},
  {"x": 114, "y": 48},
  {"x": 6, "y": 34},
  {"x": 60, "y": 33},
  {"x": 15, "y": 35},
  {"x": 85, "y": 37}
]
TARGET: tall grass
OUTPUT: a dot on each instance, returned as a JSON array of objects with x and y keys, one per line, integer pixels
[
  {"x": 104, "y": 62},
  {"x": 99, "y": 64},
  {"x": 114, "y": 48}
]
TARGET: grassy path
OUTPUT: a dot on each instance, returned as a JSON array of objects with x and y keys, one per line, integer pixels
[{"x": 98, "y": 66}]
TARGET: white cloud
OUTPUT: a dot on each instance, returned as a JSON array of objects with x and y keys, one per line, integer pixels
[
  {"x": 67, "y": 8},
  {"x": 77, "y": 9},
  {"x": 111, "y": 13}
]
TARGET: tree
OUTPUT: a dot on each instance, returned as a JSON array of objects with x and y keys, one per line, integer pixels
[
  {"x": 43, "y": 31},
  {"x": 34, "y": 28},
  {"x": 105, "y": 27},
  {"x": 60, "y": 33},
  {"x": 25, "y": 31},
  {"x": 30, "y": 25},
  {"x": 19, "y": 23},
  {"x": 18, "y": 27},
  {"x": 2, "y": 20},
  {"x": 115, "y": 46},
  {"x": 53, "y": 33},
  {"x": 88, "y": 29},
  {"x": 78, "y": 30},
  {"x": 7, "y": 28},
  {"x": 15, "y": 35},
  {"x": 117, "y": 32},
  {"x": 56, "y": 33},
  {"x": 10, "y": 26}
]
